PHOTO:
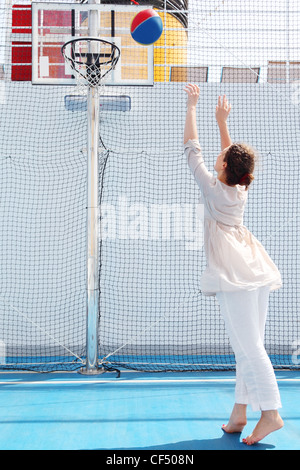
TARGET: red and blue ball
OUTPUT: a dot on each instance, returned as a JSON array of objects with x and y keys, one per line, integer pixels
[{"x": 146, "y": 27}]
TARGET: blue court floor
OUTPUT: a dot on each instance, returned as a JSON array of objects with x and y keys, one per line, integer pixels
[{"x": 138, "y": 411}]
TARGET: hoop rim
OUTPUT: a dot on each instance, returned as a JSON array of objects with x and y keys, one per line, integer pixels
[{"x": 88, "y": 38}]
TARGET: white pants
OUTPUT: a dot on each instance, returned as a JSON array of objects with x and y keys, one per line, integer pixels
[{"x": 244, "y": 313}]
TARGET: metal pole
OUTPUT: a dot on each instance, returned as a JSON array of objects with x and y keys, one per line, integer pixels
[{"x": 92, "y": 217}]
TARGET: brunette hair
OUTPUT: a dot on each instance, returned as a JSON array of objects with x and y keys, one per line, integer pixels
[{"x": 240, "y": 159}]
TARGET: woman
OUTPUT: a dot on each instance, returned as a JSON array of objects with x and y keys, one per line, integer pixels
[{"x": 239, "y": 271}]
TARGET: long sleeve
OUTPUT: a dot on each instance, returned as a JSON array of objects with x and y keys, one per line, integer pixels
[{"x": 203, "y": 177}]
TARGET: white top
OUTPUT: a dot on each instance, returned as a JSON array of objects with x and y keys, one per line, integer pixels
[{"x": 235, "y": 258}]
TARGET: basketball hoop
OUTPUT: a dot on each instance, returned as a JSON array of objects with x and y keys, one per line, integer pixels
[{"x": 91, "y": 58}]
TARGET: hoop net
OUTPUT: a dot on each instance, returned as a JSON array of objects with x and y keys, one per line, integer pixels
[{"x": 91, "y": 59}]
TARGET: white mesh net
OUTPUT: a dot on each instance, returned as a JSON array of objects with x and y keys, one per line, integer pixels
[{"x": 91, "y": 60}]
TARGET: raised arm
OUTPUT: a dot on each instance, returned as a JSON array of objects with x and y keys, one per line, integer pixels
[
  {"x": 190, "y": 129},
  {"x": 222, "y": 113},
  {"x": 193, "y": 152}
]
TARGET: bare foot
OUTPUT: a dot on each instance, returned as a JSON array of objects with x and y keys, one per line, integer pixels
[
  {"x": 270, "y": 421},
  {"x": 238, "y": 419}
]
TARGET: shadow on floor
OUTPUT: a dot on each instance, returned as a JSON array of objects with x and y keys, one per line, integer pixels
[{"x": 226, "y": 442}]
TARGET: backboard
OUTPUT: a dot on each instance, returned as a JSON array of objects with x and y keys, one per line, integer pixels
[{"x": 53, "y": 24}]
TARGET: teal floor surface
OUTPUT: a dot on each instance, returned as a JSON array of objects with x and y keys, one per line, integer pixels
[{"x": 68, "y": 411}]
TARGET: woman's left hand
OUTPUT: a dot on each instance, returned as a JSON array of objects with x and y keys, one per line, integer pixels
[{"x": 193, "y": 92}]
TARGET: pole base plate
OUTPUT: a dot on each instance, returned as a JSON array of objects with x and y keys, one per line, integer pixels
[{"x": 95, "y": 371}]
